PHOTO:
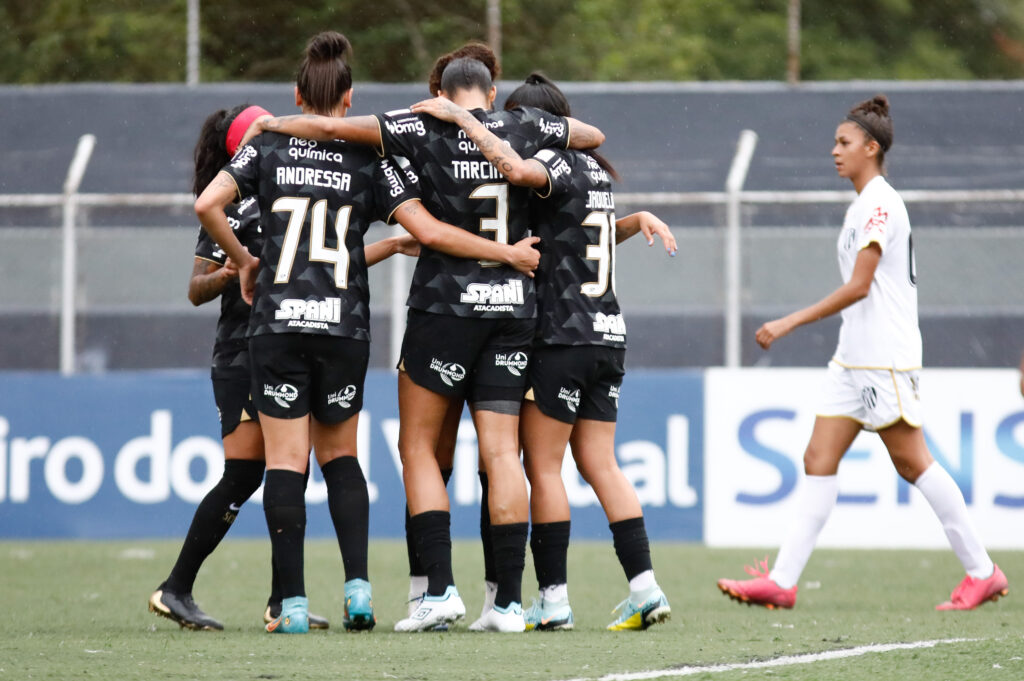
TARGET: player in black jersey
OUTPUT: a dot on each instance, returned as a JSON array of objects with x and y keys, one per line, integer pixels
[
  {"x": 213, "y": 276},
  {"x": 469, "y": 328},
  {"x": 309, "y": 322},
  {"x": 578, "y": 358}
]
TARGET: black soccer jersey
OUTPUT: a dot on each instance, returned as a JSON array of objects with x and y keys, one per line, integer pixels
[
  {"x": 316, "y": 202},
  {"x": 233, "y": 324},
  {"x": 575, "y": 221},
  {"x": 459, "y": 185}
]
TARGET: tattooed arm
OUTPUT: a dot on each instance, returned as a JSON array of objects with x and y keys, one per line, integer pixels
[
  {"x": 358, "y": 129},
  {"x": 583, "y": 135}
]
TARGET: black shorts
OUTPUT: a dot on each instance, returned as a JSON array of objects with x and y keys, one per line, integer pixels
[
  {"x": 569, "y": 382},
  {"x": 294, "y": 374},
  {"x": 483, "y": 361},
  {"x": 231, "y": 386}
]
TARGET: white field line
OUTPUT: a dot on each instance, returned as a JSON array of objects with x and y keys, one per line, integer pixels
[{"x": 785, "y": 661}]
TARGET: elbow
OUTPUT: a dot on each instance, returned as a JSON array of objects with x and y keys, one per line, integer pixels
[
  {"x": 193, "y": 298},
  {"x": 428, "y": 238},
  {"x": 860, "y": 291},
  {"x": 203, "y": 207}
]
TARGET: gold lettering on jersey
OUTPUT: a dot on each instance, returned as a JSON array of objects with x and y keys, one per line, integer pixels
[
  {"x": 600, "y": 200},
  {"x": 314, "y": 177},
  {"x": 474, "y": 170}
]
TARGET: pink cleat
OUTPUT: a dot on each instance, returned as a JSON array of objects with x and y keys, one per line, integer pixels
[
  {"x": 971, "y": 592},
  {"x": 760, "y": 590}
]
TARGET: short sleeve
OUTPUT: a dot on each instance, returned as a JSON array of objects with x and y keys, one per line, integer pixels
[
  {"x": 400, "y": 132},
  {"x": 244, "y": 168},
  {"x": 550, "y": 130},
  {"x": 207, "y": 248},
  {"x": 391, "y": 189},
  {"x": 558, "y": 170}
]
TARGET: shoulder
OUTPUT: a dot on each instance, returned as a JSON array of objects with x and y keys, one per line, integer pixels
[{"x": 404, "y": 121}]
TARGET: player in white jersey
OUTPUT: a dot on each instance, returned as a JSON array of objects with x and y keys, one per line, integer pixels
[{"x": 872, "y": 379}]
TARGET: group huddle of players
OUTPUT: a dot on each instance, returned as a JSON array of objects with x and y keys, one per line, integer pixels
[{"x": 512, "y": 311}]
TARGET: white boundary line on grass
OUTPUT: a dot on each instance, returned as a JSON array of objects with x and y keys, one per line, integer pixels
[{"x": 785, "y": 661}]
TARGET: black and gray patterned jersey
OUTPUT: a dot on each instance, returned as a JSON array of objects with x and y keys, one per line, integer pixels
[
  {"x": 459, "y": 185},
  {"x": 316, "y": 201},
  {"x": 575, "y": 219},
  {"x": 233, "y": 324}
]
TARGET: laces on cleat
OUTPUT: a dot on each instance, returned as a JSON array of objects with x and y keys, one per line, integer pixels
[{"x": 758, "y": 569}]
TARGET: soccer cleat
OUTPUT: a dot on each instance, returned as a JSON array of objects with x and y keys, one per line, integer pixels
[
  {"x": 653, "y": 609},
  {"x": 273, "y": 611},
  {"x": 182, "y": 609},
  {"x": 433, "y": 611},
  {"x": 546, "y": 615},
  {"x": 760, "y": 590},
  {"x": 971, "y": 592},
  {"x": 358, "y": 606},
  {"x": 507, "y": 620},
  {"x": 414, "y": 602},
  {"x": 294, "y": 617}
]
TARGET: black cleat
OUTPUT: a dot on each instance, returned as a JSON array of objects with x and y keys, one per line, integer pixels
[
  {"x": 273, "y": 611},
  {"x": 183, "y": 610}
]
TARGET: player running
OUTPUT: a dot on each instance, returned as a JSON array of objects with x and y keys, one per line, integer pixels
[
  {"x": 577, "y": 362},
  {"x": 469, "y": 328},
  {"x": 310, "y": 318},
  {"x": 872, "y": 380}
]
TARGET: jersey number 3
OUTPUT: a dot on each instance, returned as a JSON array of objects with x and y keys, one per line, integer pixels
[
  {"x": 318, "y": 251},
  {"x": 602, "y": 252},
  {"x": 499, "y": 223}
]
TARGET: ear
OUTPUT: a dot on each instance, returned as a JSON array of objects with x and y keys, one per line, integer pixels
[
  {"x": 298, "y": 97},
  {"x": 491, "y": 95},
  {"x": 346, "y": 100},
  {"x": 873, "y": 147}
]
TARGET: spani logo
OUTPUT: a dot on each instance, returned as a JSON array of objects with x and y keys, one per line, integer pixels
[
  {"x": 515, "y": 363},
  {"x": 344, "y": 397},
  {"x": 451, "y": 373},
  {"x": 283, "y": 394}
]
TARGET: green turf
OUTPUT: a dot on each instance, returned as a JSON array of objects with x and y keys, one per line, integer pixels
[{"x": 76, "y": 610}]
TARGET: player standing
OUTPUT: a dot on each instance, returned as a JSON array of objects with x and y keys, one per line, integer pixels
[
  {"x": 872, "y": 381},
  {"x": 578, "y": 358},
  {"x": 469, "y": 328}
]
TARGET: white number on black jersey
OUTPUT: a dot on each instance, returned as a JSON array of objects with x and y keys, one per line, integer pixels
[{"x": 318, "y": 250}]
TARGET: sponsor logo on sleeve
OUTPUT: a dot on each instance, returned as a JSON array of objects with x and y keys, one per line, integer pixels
[
  {"x": 556, "y": 128},
  {"x": 406, "y": 126},
  {"x": 877, "y": 221},
  {"x": 343, "y": 397},
  {"x": 309, "y": 314},
  {"x": 243, "y": 157},
  {"x": 283, "y": 394},
  {"x": 515, "y": 362},
  {"x": 571, "y": 398},
  {"x": 494, "y": 297},
  {"x": 450, "y": 372}
]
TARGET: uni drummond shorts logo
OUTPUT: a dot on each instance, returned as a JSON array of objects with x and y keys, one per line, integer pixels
[
  {"x": 283, "y": 394},
  {"x": 613, "y": 393},
  {"x": 869, "y": 397},
  {"x": 515, "y": 363},
  {"x": 343, "y": 397},
  {"x": 451, "y": 373},
  {"x": 570, "y": 397}
]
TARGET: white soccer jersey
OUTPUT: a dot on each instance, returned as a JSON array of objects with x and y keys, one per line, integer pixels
[{"x": 880, "y": 331}]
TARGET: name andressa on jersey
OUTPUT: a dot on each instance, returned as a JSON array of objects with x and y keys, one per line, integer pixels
[{"x": 332, "y": 179}]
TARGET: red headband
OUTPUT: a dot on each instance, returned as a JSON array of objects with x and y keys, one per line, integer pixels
[{"x": 241, "y": 123}]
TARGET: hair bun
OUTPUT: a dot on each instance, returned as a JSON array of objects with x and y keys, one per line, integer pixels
[
  {"x": 878, "y": 105},
  {"x": 327, "y": 46}
]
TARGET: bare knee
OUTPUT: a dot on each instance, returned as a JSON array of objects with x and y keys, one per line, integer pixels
[{"x": 818, "y": 461}]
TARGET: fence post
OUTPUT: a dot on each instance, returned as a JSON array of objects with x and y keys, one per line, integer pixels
[
  {"x": 733, "y": 280},
  {"x": 70, "y": 256}
]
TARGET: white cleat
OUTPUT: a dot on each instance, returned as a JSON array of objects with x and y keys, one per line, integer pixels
[
  {"x": 434, "y": 611},
  {"x": 507, "y": 620}
]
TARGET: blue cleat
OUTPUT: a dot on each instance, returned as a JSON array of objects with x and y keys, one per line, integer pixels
[
  {"x": 358, "y": 606},
  {"x": 545, "y": 615},
  {"x": 653, "y": 608},
  {"x": 294, "y": 617}
]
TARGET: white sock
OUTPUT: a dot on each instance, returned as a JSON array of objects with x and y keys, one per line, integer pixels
[
  {"x": 417, "y": 586},
  {"x": 555, "y": 593},
  {"x": 815, "y": 506},
  {"x": 946, "y": 499},
  {"x": 490, "y": 591},
  {"x": 642, "y": 583}
]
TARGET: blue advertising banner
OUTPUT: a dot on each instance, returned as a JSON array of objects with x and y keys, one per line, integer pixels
[{"x": 125, "y": 455}]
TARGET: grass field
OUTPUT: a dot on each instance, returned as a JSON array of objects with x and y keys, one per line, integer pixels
[{"x": 77, "y": 610}]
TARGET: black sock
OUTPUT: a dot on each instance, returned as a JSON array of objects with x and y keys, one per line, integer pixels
[
  {"x": 433, "y": 533},
  {"x": 549, "y": 543},
  {"x": 350, "y": 510},
  {"x": 509, "y": 559},
  {"x": 631, "y": 546},
  {"x": 490, "y": 574},
  {"x": 285, "y": 508},
  {"x": 415, "y": 567},
  {"x": 212, "y": 519},
  {"x": 275, "y": 576}
]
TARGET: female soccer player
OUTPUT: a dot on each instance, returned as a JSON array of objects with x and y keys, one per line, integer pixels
[
  {"x": 469, "y": 329},
  {"x": 577, "y": 362},
  {"x": 872, "y": 380},
  {"x": 309, "y": 326}
]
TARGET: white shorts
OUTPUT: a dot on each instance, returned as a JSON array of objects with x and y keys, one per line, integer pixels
[{"x": 876, "y": 398}]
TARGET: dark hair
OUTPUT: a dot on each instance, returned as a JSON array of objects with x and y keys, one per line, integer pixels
[
  {"x": 474, "y": 50},
  {"x": 325, "y": 76},
  {"x": 211, "y": 152},
  {"x": 464, "y": 73},
  {"x": 872, "y": 116},
  {"x": 540, "y": 92}
]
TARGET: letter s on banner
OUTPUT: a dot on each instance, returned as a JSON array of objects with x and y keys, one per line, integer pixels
[{"x": 786, "y": 469}]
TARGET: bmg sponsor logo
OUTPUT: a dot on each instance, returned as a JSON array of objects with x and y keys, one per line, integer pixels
[
  {"x": 284, "y": 394},
  {"x": 242, "y": 158},
  {"x": 450, "y": 372},
  {"x": 406, "y": 126},
  {"x": 515, "y": 362}
]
